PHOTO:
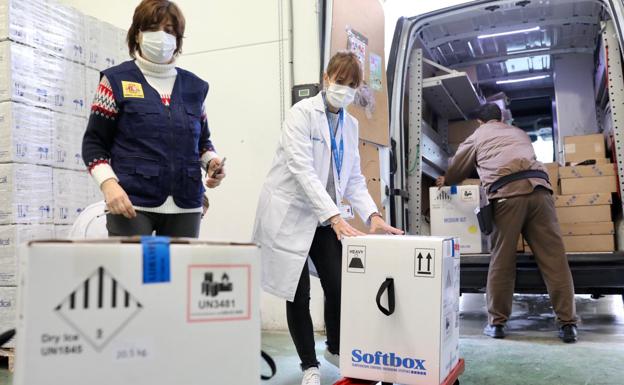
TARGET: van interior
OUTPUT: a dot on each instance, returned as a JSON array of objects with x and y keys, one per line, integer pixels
[{"x": 543, "y": 62}]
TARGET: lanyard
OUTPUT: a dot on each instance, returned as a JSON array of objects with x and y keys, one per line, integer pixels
[{"x": 337, "y": 152}]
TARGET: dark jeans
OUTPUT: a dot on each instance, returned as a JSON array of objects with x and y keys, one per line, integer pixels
[
  {"x": 326, "y": 253},
  {"x": 145, "y": 223}
]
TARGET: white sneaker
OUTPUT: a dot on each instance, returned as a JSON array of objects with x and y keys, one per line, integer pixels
[
  {"x": 311, "y": 376},
  {"x": 333, "y": 359}
]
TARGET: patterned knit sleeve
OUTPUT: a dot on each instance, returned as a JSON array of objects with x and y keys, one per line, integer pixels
[
  {"x": 100, "y": 133},
  {"x": 206, "y": 149}
]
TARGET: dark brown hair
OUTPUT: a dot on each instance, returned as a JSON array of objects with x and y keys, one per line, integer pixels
[
  {"x": 487, "y": 112},
  {"x": 345, "y": 64},
  {"x": 150, "y": 14}
]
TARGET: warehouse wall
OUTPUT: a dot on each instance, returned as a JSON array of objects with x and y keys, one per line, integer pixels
[{"x": 240, "y": 49}]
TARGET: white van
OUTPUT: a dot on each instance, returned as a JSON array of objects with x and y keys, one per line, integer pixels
[{"x": 558, "y": 64}]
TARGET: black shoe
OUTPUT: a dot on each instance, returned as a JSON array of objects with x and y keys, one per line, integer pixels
[
  {"x": 494, "y": 331},
  {"x": 568, "y": 333}
]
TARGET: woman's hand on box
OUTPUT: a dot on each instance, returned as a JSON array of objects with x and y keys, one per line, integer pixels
[{"x": 379, "y": 226}]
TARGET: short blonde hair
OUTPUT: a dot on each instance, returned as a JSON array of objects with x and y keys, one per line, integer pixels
[{"x": 345, "y": 64}]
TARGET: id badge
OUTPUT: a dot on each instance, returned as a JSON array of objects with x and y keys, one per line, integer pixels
[{"x": 346, "y": 211}]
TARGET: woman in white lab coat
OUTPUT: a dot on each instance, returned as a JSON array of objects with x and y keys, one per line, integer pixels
[{"x": 303, "y": 207}]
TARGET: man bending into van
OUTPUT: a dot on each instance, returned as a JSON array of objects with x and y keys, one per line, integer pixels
[{"x": 518, "y": 188}]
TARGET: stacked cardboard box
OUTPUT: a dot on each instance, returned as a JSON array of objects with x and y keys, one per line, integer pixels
[
  {"x": 584, "y": 206},
  {"x": 46, "y": 86},
  {"x": 459, "y": 131}
]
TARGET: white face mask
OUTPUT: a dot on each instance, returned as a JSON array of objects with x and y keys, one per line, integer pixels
[
  {"x": 157, "y": 46},
  {"x": 339, "y": 96}
]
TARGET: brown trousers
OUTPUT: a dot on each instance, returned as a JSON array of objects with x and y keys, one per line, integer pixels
[{"x": 534, "y": 216}]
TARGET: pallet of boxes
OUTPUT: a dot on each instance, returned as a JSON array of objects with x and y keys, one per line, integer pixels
[
  {"x": 584, "y": 195},
  {"x": 50, "y": 57}
]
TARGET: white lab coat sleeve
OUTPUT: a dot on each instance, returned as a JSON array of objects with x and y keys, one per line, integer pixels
[
  {"x": 297, "y": 143},
  {"x": 357, "y": 193}
]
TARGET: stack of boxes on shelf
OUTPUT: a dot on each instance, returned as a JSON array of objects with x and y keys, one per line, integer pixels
[
  {"x": 584, "y": 206},
  {"x": 583, "y": 195},
  {"x": 50, "y": 58}
]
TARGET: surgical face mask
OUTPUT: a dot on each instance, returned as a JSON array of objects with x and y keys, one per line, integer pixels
[
  {"x": 157, "y": 46},
  {"x": 339, "y": 96}
]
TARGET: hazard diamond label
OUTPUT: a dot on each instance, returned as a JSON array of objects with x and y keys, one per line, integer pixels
[{"x": 99, "y": 308}]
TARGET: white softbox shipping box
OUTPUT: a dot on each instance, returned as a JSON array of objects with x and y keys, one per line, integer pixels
[
  {"x": 400, "y": 309},
  {"x": 140, "y": 312},
  {"x": 453, "y": 215}
]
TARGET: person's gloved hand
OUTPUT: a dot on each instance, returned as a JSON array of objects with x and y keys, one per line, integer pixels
[
  {"x": 116, "y": 199},
  {"x": 215, "y": 172}
]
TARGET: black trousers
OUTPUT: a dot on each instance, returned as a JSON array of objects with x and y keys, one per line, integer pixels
[
  {"x": 145, "y": 223},
  {"x": 326, "y": 253}
]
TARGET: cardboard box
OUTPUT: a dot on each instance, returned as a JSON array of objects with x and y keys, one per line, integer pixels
[
  {"x": 67, "y": 141},
  {"x": 471, "y": 182},
  {"x": 584, "y": 214},
  {"x": 112, "y": 312},
  {"x": 8, "y": 308},
  {"x": 597, "y": 184},
  {"x": 418, "y": 343},
  {"x": 584, "y": 147},
  {"x": 598, "y": 161},
  {"x": 25, "y": 194},
  {"x": 583, "y": 199},
  {"x": 587, "y": 171},
  {"x": 63, "y": 231},
  {"x": 12, "y": 237},
  {"x": 71, "y": 190},
  {"x": 460, "y": 130},
  {"x": 553, "y": 176},
  {"x": 589, "y": 243},
  {"x": 453, "y": 215},
  {"x": 25, "y": 134},
  {"x": 590, "y": 228}
]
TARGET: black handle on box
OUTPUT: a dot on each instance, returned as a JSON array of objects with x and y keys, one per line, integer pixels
[
  {"x": 387, "y": 285},
  {"x": 269, "y": 360}
]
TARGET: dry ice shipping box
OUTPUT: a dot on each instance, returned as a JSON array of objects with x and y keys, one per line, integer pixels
[
  {"x": 453, "y": 215},
  {"x": 140, "y": 313},
  {"x": 417, "y": 343}
]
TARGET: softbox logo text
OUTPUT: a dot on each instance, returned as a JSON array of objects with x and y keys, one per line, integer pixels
[{"x": 388, "y": 362}]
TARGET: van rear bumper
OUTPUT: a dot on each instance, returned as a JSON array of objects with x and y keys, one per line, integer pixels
[{"x": 593, "y": 273}]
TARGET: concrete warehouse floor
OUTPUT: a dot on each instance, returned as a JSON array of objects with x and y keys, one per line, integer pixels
[{"x": 530, "y": 355}]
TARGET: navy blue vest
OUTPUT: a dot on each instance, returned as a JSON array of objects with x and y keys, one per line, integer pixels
[{"x": 155, "y": 152}]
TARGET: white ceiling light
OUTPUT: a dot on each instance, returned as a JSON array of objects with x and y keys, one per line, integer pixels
[
  {"x": 522, "y": 79},
  {"x": 509, "y": 32},
  {"x": 522, "y": 50}
]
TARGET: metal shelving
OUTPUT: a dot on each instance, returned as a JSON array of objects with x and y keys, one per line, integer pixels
[{"x": 451, "y": 96}]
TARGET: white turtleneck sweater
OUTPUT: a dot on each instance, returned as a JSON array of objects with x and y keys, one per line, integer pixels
[{"x": 162, "y": 78}]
